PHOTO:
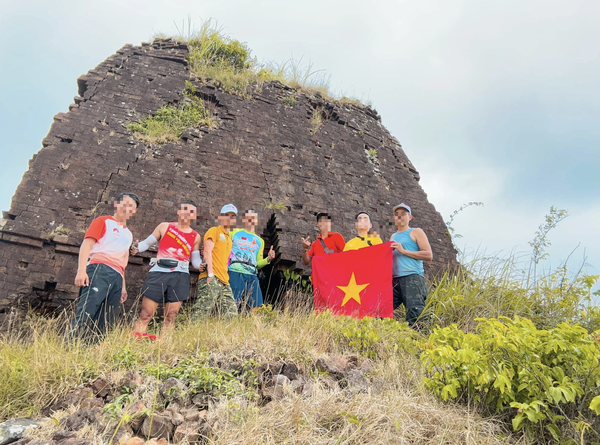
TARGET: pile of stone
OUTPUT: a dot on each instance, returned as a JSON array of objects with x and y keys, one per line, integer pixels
[{"x": 157, "y": 412}]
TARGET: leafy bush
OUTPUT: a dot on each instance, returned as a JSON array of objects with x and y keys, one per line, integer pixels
[
  {"x": 542, "y": 379},
  {"x": 371, "y": 337}
]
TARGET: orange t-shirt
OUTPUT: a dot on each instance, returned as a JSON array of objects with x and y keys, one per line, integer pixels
[
  {"x": 220, "y": 253},
  {"x": 112, "y": 243}
]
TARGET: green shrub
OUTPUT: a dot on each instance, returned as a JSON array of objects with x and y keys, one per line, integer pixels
[
  {"x": 543, "y": 379},
  {"x": 371, "y": 337},
  {"x": 289, "y": 101},
  {"x": 171, "y": 120},
  {"x": 202, "y": 378}
]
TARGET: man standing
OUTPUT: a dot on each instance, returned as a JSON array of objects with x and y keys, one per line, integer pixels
[
  {"x": 245, "y": 261},
  {"x": 169, "y": 278},
  {"x": 214, "y": 292},
  {"x": 411, "y": 248},
  {"x": 326, "y": 242},
  {"x": 103, "y": 257},
  {"x": 364, "y": 238}
]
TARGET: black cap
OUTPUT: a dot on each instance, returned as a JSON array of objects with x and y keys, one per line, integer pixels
[
  {"x": 361, "y": 213},
  {"x": 321, "y": 214}
]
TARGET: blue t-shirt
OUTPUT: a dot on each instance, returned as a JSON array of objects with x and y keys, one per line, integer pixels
[
  {"x": 404, "y": 265},
  {"x": 245, "y": 252}
]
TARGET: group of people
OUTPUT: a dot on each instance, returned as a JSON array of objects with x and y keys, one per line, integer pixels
[{"x": 228, "y": 260}]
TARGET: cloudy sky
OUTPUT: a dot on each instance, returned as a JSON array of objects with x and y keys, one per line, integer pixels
[{"x": 493, "y": 101}]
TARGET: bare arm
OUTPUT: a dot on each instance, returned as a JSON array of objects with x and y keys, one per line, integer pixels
[
  {"x": 150, "y": 241},
  {"x": 123, "y": 291},
  {"x": 424, "y": 253},
  {"x": 82, "y": 279}
]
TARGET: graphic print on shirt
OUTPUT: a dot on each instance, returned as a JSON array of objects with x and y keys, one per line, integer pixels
[
  {"x": 244, "y": 251},
  {"x": 175, "y": 245}
]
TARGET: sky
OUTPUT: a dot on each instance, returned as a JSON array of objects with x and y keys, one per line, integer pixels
[{"x": 493, "y": 101}]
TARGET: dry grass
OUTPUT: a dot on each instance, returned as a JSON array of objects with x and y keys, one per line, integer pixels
[
  {"x": 316, "y": 120},
  {"x": 40, "y": 365}
]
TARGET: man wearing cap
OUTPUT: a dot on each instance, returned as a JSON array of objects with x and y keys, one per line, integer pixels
[
  {"x": 214, "y": 292},
  {"x": 362, "y": 225},
  {"x": 411, "y": 248},
  {"x": 326, "y": 242}
]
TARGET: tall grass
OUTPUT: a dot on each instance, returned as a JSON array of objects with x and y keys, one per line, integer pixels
[
  {"x": 490, "y": 287},
  {"x": 40, "y": 365},
  {"x": 216, "y": 57}
]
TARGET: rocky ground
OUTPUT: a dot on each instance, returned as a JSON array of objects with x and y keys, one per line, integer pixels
[{"x": 132, "y": 408}]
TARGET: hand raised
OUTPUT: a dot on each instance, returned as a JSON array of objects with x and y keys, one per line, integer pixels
[
  {"x": 271, "y": 254},
  {"x": 306, "y": 243}
]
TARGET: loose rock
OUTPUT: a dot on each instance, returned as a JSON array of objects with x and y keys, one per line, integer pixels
[{"x": 14, "y": 429}]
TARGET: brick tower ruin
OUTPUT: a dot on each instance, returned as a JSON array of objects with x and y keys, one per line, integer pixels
[{"x": 264, "y": 155}]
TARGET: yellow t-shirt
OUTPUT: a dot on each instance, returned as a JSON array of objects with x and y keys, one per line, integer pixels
[
  {"x": 220, "y": 253},
  {"x": 359, "y": 242}
]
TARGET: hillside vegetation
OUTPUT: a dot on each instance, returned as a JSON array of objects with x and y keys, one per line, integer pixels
[{"x": 478, "y": 372}]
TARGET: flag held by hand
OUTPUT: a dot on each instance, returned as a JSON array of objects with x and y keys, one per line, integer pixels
[{"x": 357, "y": 283}]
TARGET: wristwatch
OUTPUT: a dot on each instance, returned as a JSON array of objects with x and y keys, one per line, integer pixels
[{"x": 210, "y": 275}]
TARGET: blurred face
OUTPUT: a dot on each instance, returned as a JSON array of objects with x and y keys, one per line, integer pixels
[
  {"x": 363, "y": 222},
  {"x": 250, "y": 219},
  {"x": 187, "y": 212},
  {"x": 227, "y": 220},
  {"x": 402, "y": 217},
  {"x": 324, "y": 224},
  {"x": 126, "y": 208}
]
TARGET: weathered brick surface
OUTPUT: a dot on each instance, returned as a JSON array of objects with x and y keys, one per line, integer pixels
[{"x": 262, "y": 153}]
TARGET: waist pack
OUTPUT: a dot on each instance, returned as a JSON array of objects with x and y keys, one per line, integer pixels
[{"x": 168, "y": 263}]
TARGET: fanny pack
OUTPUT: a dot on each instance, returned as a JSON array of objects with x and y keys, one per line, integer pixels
[
  {"x": 168, "y": 263},
  {"x": 246, "y": 264}
]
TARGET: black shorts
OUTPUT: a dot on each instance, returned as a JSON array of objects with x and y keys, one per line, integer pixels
[{"x": 167, "y": 287}]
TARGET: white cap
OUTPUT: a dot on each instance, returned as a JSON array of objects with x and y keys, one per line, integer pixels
[{"x": 229, "y": 208}]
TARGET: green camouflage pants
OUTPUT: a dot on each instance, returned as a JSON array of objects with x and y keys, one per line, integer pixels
[
  {"x": 214, "y": 298},
  {"x": 411, "y": 291}
]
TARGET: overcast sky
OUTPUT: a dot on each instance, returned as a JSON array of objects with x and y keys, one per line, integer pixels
[{"x": 493, "y": 101}]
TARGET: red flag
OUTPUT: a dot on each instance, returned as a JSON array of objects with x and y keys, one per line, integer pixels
[{"x": 357, "y": 283}]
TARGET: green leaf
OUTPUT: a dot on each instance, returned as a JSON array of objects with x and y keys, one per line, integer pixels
[
  {"x": 595, "y": 405},
  {"x": 554, "y": 430},
  {"x": 517, "y": 421}
]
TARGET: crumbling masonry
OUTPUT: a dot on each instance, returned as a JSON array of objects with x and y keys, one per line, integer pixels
[{"x": 263, "y": 155}]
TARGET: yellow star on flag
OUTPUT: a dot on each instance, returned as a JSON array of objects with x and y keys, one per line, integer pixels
[{"x": 352, "y": 290}]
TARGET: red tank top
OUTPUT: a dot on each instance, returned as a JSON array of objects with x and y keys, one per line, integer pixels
[{"x": 176, "y": 244}]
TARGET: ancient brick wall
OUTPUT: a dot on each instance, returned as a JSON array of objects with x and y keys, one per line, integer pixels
[{"x": 263, "y": 155}]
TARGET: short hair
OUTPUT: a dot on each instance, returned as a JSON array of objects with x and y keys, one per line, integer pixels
[
  {"x": 131, "y": 195},
  {"x": 250, "y": 211},
  {"x": 188, "y": 201},
  {"x": 363, "y": 213},
  {"x": 321, "y": 215}
]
